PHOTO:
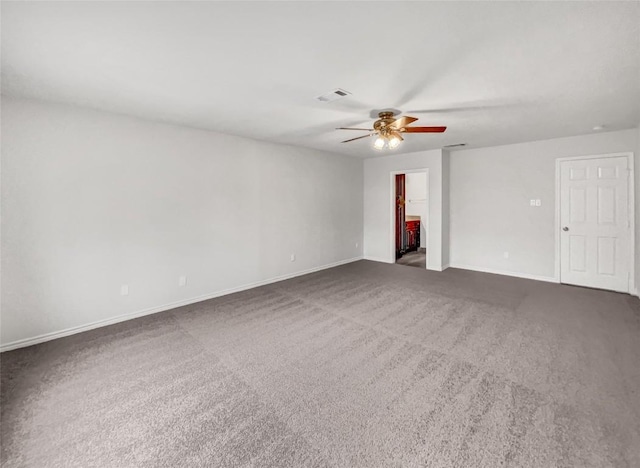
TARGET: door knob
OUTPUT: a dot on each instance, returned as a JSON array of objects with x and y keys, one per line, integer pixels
[{"x": 565, "y": 228}]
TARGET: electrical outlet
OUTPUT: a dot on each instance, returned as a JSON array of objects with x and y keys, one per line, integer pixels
[
  {"x": 538, "y": 202},
  {"x": 293, "y": 257},
  {"x": 182, "y": 281},
  {"x": 124, "y": 290},
  {"x": 532, "y": 203}
]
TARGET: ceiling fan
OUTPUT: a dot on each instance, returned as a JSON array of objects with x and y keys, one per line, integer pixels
[{"x": 389, "y": 130}]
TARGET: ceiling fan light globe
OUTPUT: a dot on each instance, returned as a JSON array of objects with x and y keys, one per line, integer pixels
[
  {"x": 379, "y": 143},
  {"x": 394, "y": 142}
]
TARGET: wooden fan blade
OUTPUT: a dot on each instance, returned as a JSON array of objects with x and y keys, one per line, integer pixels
[
  {"x": 358, "y": 138},
  {"x": 424, "y": 129},
  {"x": 403, "y": 121},
  {"x": 351, "y": 128}
]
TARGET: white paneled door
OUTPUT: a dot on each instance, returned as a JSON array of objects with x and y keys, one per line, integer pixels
[{"x": 595, "y": 236}]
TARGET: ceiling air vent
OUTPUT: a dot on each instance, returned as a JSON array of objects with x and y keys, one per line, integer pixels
[
  {"x": 333, "y": 95},
  {"x": 457, "y": 145}
]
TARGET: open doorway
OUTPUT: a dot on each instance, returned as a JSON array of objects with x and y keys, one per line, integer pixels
[{"x": 410, "y": 219}]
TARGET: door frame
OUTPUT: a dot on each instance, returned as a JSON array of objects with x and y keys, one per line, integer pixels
[
  {"x": 392, "y": 210},
  {"x": 630, "y": 208}
]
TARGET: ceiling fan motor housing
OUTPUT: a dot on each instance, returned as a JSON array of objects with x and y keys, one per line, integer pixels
[{"x": 386, "y": 121}]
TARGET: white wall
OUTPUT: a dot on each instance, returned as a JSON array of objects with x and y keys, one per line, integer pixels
[
  {"x": 378, "y": 204},
  {"x": 636, "y": 163},
  {"x": 490, "y": 192},
  {"x": 446, "y": 209},
  {"x": 91, "y": 201},
  {"x": 416, "y": 197}
]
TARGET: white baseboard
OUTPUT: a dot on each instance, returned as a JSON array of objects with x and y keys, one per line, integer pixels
[
  {"x": 152, "y": 310},
  {"x": 548, "y": 279},
  {"x": 377, "y": 259},
  {"x": 384, "y": 260}
]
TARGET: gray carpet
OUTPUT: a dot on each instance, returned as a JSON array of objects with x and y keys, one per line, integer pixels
[
  {"x": 365, "y": 365},
  {"x": 414, "y": 259}
]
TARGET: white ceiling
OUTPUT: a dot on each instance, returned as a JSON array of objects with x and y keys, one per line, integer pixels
[{"x": 493, "y": 72}]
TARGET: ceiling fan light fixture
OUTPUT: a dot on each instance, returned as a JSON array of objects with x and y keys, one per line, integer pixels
[
  {"x": 379, "y": 143},
  {"x": 394, "y": 142}
]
